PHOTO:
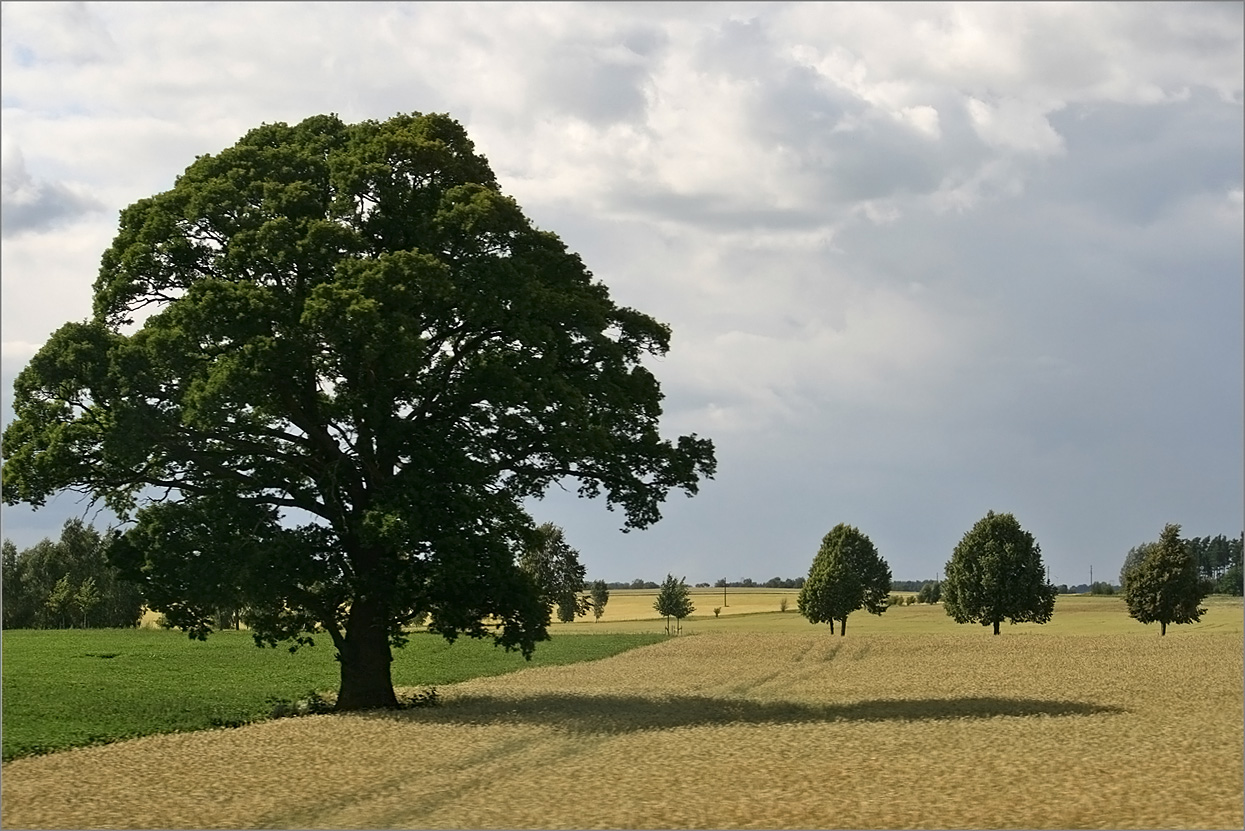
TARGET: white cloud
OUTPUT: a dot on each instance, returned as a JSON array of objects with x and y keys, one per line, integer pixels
[
  {"x": 31, "y": 204},
  {"x": 926, "y": 255},
  {"x": 924, "y": 119},
  {"x": 1015, "y": 125}
]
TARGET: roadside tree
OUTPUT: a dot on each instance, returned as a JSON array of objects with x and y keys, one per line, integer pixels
[
  {"x": 996, "y": 574},
  {"x": 323, "y": 375},
  {"x": 1165, "y": 586},
  {"x": 847, "y": 574},
  {"x": 674, "y": 600}
]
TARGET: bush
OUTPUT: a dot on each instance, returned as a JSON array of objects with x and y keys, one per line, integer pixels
[
  {"x": 716, "y": 610},
  {"x": 311, "y": 704},
  {"x": 931, "y": 592},
  {"x": 782, "y": 604},
  {"x": 420, "y": 698}
]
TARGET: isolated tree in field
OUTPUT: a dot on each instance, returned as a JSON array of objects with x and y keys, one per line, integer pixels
[
  {"x": 847, "y": 574},
  {"x": 674, "y": 600},
  {"x": 996, "y": 574},
  {"x": 931, "y": 592},
  {"x": 323, "y": 375},
  {"x": 1165, "y": 587},
  {"x": 600, "y": 596},
  {"x": 557, "y": 571}
]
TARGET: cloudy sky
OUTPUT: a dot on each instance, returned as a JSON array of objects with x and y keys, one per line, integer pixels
[{"x": 921, "y": 260}]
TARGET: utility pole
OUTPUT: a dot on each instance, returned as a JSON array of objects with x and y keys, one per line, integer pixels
[{"x": 723, "y": 593}]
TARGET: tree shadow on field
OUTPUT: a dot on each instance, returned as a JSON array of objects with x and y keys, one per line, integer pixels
[{"x": 629, "y": 713}]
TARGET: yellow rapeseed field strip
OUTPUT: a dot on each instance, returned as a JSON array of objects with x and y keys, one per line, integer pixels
[{"x": 731, "y": 729}]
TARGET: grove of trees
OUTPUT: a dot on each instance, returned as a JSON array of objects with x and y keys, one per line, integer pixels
[
  {"x": 322, "y": 376},
  {"x": 847, "y": 574},
  {"x": 67, "y": 583},
  {"x": 996, "y": 574},
  {"x": 1164, "y": 586}
]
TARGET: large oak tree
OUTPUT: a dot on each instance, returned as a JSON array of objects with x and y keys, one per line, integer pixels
[{"x": 324, "y": 372}]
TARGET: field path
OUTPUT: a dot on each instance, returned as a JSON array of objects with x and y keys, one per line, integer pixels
[{"x": 719, "y": 730}]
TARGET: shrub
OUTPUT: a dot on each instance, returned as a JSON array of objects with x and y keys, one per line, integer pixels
[
  {"x": 716, "y": 610},
  {"x": 420, "y": 698},
  {"x": 313, "y": 703},
  {"x": 931, "y": 592},
  {"x": 782, "y": 604}
]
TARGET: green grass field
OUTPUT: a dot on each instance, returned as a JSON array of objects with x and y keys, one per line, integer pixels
[{"x": 73, "y": 688}]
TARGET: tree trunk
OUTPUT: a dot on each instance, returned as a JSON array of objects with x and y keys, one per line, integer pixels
[
  {"x": 831, "y": 626},
  {"x": 366, "y": 680},
  {"x": 1162, "y": 628},
  {"x": 843, "y": 626},
  {"x": 996, "y": 627}
]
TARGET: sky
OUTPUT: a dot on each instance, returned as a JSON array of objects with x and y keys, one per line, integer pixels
[{"x": 921, "y": 260}]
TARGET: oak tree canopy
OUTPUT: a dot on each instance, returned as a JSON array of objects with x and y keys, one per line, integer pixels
[{"x": 323, "y": 374}]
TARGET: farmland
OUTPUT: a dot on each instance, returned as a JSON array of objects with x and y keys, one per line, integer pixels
[
  {"x": 752, "y": 720},
  {"x": 67, "y": 688}
]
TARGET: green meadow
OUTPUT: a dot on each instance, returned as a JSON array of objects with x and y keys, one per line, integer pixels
[{"x": 72, "y": 688}]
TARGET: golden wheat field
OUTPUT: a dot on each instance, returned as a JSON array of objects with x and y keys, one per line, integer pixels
[{"x": 730, "y": 729}]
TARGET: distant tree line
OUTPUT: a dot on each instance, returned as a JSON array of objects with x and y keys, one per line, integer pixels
[
  {"x": 68, "y": 583},
  {"x": 1096, "y": 587},
  {"x": 772, "y": 583},
  {"x": 745, "y": 583}
]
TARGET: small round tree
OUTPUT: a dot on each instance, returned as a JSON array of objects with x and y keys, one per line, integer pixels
[
  {"x": 674, "y": 600},
  {"x": 847, "y": 574},
  {"x": 995, "y": 574},
  {"x": 1164, "y": 586}
]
